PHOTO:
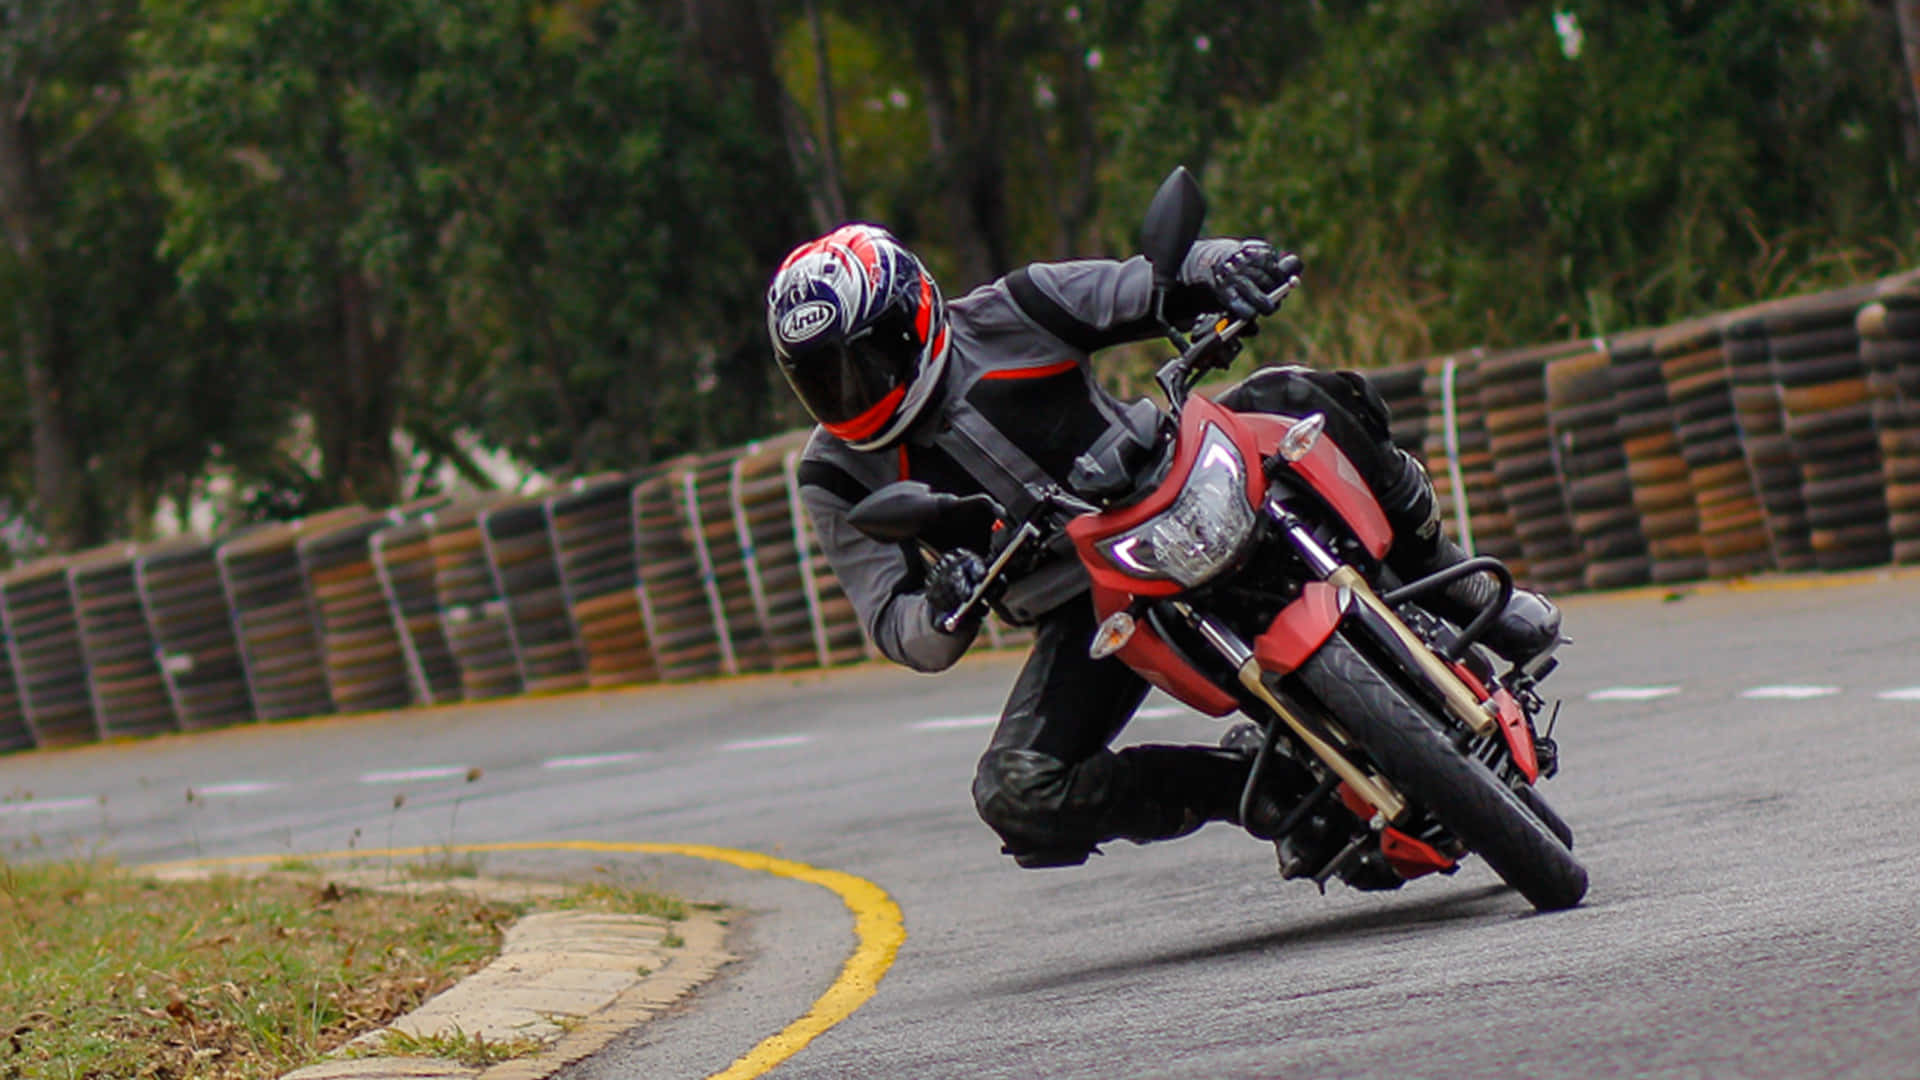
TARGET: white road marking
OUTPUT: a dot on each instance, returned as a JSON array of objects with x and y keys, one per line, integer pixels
[
  {"x": 1633, "y": 693},
  {"x": 237, "y": 787},
  {"x": 771, "y": 742},
  {"x": 1911, "y": 693},
  {"x": 591, "y": 761},
  {"x": 1161, "y": 712},
  {"x": 1788, "y": 693},
  {"x": 950, "y": 723},
  {"x": 45, "y": 806},
  {"x": 403, "y": 776}
]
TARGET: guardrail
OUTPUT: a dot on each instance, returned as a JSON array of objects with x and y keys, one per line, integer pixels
[{"x": 1784, "y": 436}]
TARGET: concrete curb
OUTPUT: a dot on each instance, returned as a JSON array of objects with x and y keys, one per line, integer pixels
[{"x": 572, "y": 981}]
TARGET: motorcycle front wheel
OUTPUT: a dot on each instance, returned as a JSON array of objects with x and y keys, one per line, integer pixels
[{"x": 1412, "y": 750}]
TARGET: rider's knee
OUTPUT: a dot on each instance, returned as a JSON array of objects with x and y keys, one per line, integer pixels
[{"x": 1020, "y": 794}]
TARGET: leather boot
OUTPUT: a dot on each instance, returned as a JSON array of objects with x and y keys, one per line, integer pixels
[{"x": 1528, "y": 626}]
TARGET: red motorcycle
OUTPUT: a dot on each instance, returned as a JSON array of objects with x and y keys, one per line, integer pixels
[{"x": 1236, "y": 563}]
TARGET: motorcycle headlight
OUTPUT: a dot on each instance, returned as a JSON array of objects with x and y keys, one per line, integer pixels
[{"x": 1206, "y": 527}]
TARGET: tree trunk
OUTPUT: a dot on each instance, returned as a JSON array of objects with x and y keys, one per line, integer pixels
[
  {"x": 833, "y": 190},
  {"x": 356, "y": 403},
  {"x": 57, "y": 480}
]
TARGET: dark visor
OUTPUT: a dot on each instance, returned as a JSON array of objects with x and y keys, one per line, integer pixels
[{"x": 838, "y": 381}]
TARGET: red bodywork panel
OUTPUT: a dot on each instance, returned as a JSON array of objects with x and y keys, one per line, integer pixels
[
  {"x": 1513, "y": 725},
  {"x": 1156, "y": 662},
  {"x": 1300, "y": 629},
  {"x": 1411, "y": 858},
  {"x": 1334, "y": 477}
]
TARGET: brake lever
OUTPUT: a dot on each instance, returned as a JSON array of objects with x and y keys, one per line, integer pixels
[{"x": 1028, "y": 530}]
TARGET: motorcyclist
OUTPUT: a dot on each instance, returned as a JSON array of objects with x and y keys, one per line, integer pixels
[{"x": 995, "y": 390}]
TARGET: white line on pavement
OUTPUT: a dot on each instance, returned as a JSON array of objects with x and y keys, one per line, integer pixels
[
  {"x": 1911, "y": 693},
  {"x": 950, "y": 723},
  {"x": 1633, "y": 693},
  {"x": 591, "y": 761},
  {"x": 402, "y": 776},
  {"x": 771, "y": 742},
  {"x": 1788, "y": 692},
  {"x": 1161, "y": 712},
  {"x": 237, "y": 787},
  {"x": 45, "y": 806}
]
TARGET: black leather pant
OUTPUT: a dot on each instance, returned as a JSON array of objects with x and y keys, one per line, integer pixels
[{"x": 1048, "y": 784}]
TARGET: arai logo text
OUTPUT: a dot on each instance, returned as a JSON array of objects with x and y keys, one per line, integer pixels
[{"x": 806, "y": 320}]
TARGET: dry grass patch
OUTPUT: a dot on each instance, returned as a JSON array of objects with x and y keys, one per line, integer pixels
[{"x": 108, "y": 974}]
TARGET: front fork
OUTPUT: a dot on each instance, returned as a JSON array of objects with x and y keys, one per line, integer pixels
[{"x": 1385, "y": 626}]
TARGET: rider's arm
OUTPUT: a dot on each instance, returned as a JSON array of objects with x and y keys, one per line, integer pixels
[
  {"x": 882, "y": 584},
  {"x": 1093, "y": 303}
]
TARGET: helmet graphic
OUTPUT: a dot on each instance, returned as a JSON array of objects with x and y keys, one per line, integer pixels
[{"x": 860, "y": 331}]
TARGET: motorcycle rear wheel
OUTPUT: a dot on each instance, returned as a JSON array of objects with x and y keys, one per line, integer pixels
[{"x": 1411, "y": 750}]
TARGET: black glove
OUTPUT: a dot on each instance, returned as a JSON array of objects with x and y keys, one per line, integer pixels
[
  {"x": 1242, "y": 280},
  {"x": 950, "y": 581}
]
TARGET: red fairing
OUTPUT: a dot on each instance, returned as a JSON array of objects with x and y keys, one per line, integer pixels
[
  {"x": 1513, "y": 725},
  {"x": 1156, "y": 662},
  {"x": 1091, "y": 529},
  {"x": 1333, "y": 476},
  {"x": 1411, "y": 858},
  {"x": 1300, "y": 629}
]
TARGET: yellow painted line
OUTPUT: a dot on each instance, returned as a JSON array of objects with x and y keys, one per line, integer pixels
[{"x": 878, "y": 927}]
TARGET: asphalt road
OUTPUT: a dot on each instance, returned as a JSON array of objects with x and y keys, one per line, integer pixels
[{"x": 1742, "y": 768}]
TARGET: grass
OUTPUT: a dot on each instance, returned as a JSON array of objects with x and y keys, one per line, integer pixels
[
  {"x": 108, "y": 974},
  {"x": 455, "y": 1046}
]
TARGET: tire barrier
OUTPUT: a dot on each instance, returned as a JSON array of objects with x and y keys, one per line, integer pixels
[{"x": 1784, "y": 436}]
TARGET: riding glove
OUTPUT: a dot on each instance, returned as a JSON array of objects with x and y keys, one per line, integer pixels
[
  {"x": 1242, "y": 280},
  {"x": 950, "y": 581}
]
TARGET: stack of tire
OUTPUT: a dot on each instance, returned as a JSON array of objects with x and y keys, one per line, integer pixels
[
  {"x": 1656, "y": 469},
  {"x": 1890, "y": 346},
  {"x": 707, "y": 486},
  {"x": 273, "y": 616},
  {"x": 1513, "y": 397},
  {"x": 1489, "y": 527},
  {"x": 1732, "y": 527},
  {"x": 366, "y": 668},
  {"x": 473, "y": 614},
  {"x": 526, "y": 576},
  {"x": 192, "y": 623},
  {"x": 764, "y": 510},
  {"x": 403, "y": 561},
  {"x": 129, "y": 693},
  {"x": 1763, "y": 439},
  {"x": 673, "y": 592},
  {"x": 1401, "y": 386},
  {"x": 593, "y": 540},
  {"x": 1593, "y": 462},
  {"x": 43, "y": 642},
  {"x": 1813, "y": 352},
  {"x": 14, "y": 732}
]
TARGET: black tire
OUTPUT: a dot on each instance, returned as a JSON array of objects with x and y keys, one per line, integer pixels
[
  {"x": 1531, "y": 798},
  {"x": 1413, "y": 753}
]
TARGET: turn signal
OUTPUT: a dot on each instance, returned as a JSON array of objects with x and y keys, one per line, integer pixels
[
  {"x": 1112, "y": 636},
  {"x": 1299, "y": 440}
]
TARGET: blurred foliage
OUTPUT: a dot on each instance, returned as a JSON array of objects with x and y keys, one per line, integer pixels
[{"x": 292, "y": 253}]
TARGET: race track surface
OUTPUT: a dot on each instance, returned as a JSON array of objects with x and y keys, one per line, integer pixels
[{"x": 1742, "y": 768}]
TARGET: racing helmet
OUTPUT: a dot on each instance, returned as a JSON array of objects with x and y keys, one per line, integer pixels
[{"x": 859, "y": 330}]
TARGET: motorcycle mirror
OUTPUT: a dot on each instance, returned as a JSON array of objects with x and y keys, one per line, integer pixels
[
  {"x": 1172, "y": 225},
  {"x": 904, "y": 509}
]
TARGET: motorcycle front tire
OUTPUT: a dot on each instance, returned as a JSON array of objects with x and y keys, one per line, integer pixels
[{"x": 1412, "y": 750}]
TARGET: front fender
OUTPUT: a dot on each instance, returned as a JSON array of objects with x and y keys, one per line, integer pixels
[{"x": 1301, "y": 627}]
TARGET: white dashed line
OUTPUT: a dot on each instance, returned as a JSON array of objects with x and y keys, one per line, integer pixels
[
  {"x": 1788, "y": 693},
  {"x": 237, "y": 787},
  {"x": 45, "y": 806},
  {"x": 1911, "y": 693},
  {"x": 772, "y": 742},
  {"x": 951, "y": 723},
  {"x": 1633, "y": 693},
  {"x": 1161, "y": 712},
  {"x": 593, "y": 761},
  {"x": 403, "y": 776}
]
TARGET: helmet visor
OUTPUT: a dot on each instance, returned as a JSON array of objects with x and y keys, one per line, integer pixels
[{"x": 843, "y": 382}]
